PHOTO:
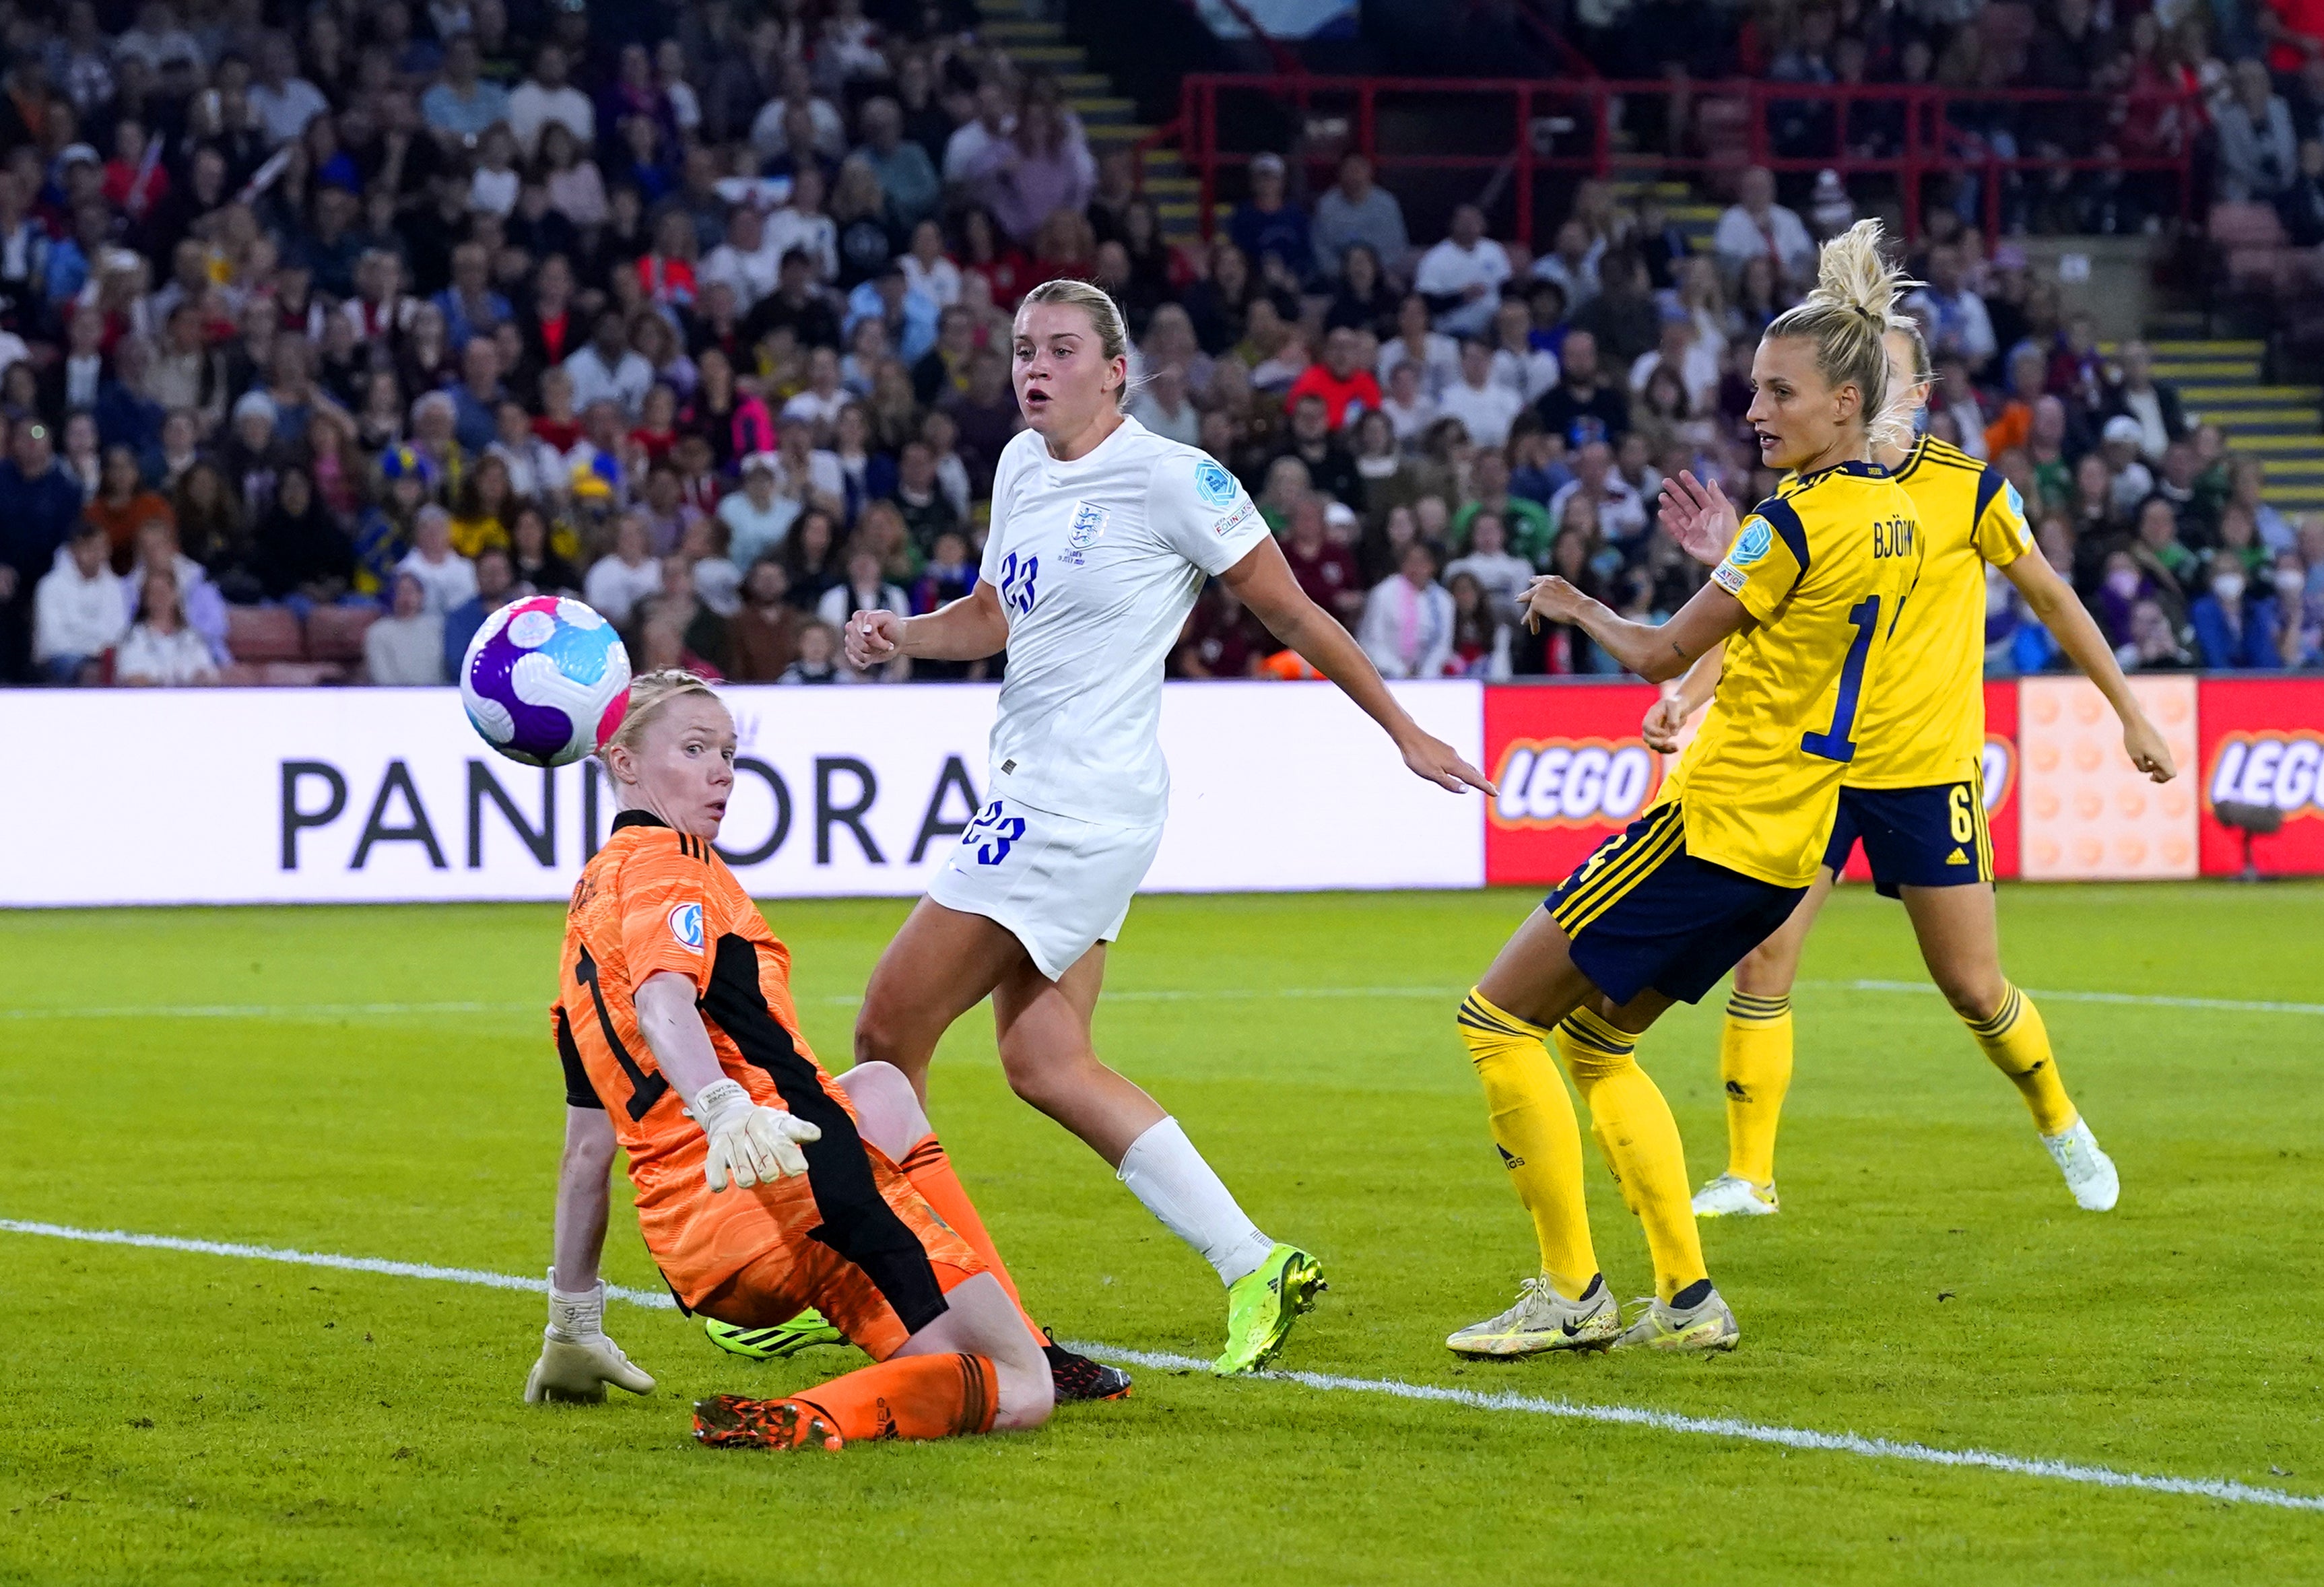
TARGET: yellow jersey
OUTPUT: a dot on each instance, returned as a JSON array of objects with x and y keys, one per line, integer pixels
[
  {"x": 1926, "y": 723},
  {"x": 1823, "y": 566}
]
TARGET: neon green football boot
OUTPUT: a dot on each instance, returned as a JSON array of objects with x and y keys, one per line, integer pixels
[
  {"x": 804, "y": 1332},
  {"x": 1261, "y": 1307}
]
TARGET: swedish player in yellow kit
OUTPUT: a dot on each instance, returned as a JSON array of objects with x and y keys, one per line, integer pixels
[
  {"x": 1912, "y": 796},
  {"x": 1807, "y": 591}
]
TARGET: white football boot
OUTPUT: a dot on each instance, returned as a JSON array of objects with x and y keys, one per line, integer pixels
[
  {"x": 1730, "y": 1195},
  {"x": 1708, "y": 1324},
  {"x": 1542, "y": 1319},
  {"x": 2090, "y": 1172}
]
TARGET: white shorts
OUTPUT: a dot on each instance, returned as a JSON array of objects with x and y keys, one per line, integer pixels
[{"x": 1059, "y": 885}]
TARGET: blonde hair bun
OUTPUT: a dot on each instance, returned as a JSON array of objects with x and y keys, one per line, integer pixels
[{"x": 1859, "y": 297}]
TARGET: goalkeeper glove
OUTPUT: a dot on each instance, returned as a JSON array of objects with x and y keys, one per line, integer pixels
[
  {"x": 576, "y": 1359},
  {"x": 749, "y": 1145}
]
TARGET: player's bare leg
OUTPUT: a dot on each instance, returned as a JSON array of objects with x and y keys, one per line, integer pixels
[
  {"x": 1960, "y": 942},
  {"x": 1755, "y": 1063},
  {"x": 1051, "y": 1062},
  {"x": 942, "y": 964},
  {"x": 1046, "y": 1050}
]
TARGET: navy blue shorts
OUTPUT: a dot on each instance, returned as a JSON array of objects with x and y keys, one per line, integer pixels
[
  {"x": 1933, "y": 836},
  {"x": 1641, "y": 911}
]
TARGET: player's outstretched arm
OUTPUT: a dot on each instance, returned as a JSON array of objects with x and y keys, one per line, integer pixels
[
  {"x": 577, "y": 1359},
  {"x": 1654, "y": 653},
  {"x": 749, "y": 1144},
  {"x": 967, "y": 630},
  {"x": 1263, "y": 582},
  {"x": 2061, "y": 610}
]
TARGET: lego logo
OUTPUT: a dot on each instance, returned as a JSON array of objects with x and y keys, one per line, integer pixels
[
  {"x": 1570, "y": 783},
  {"x": 2282, "y": 770}
]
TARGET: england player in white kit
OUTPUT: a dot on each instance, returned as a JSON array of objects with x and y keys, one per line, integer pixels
[{"x": 1102, "y": 535}]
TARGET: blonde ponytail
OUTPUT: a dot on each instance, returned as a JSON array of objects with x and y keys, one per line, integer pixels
[{"x": 1858, "y": 296}]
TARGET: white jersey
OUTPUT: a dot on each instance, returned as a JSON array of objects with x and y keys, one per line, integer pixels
[{"x": 1097, "y": 563}]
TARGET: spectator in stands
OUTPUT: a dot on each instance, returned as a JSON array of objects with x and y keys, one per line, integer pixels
[
  {"x": 763, "y": 635},
  {"x": 609, "y": 370},
  {"x": 1330, "y": 467},
  {"x": 2236, "y": 624},
  {"x": 1501, "y": 576},
  {"x": 1755, "y": 226},
  {"x": 496, "y": 587},
  {"x": 866, "y": 588},
  {"x": 1407, "y": 621},
  {"x": 2129, "y": 481},
  {"x": 1268, "y": 224},
  {"x": 1348, "y": 390},
  {"x": 2136, "y": 392},
  {"x": 1161, "y": 405},
  {"x": 462, "y": 105},
  {"x": 2257, "y": 155},
  {"x": 1460, "y": 277},
  {"x": 1624, "y": 316},
  {"x": 161, "y": 649},
  {"x": 819, "y": 659},
  {"x": 40, "y": 503},
  {"x": 1325, "y": 568},
  {"x": 546, "y": 98},
  {"x": 1527, "y": 370},
  {"x": 1572, "y": 265},
  {"x": 303, "y": 555},
  {"x": 617, "y": 583},
  {"x": 79, "y": 610},
  {"x": 1357, "y": 212},
  {"x": 1956, "y": 318},
  {"x": 406, "y": 647},
  {"x": 2300, "y": 206},
  {"x": 1526, "y": 523},
  {"x": 1584, "y": 405},
  {"x": 447, "y": 577},
  {"x": 1410, "y": 409},
  {"x": 1486, "y": 406}
]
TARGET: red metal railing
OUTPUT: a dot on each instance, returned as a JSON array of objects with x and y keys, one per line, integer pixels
[{"x": 1939, "y": 132}]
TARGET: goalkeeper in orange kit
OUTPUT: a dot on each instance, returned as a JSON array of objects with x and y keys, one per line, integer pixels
[{"x": 763, "y": 1184}]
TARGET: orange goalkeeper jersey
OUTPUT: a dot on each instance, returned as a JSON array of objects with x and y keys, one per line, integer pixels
[{"x": 654, "y": 899}]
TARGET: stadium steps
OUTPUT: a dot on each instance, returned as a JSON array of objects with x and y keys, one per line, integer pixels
[
  {"x": 2218, "y": 383},
  {"x": 1108, "y": 118}
]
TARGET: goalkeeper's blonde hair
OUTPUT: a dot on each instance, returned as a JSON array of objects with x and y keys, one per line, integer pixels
[
  {"x": 648, "y": 694},
  {"x": 1858, "y": 296}
]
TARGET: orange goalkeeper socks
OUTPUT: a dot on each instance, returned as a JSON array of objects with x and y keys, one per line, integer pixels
[
  {"x": 903, "y": 1397},
  {"x": 929, "y": 1169}
]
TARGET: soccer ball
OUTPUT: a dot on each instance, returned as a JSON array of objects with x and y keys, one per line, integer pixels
[{"x": 544, "y": 680}]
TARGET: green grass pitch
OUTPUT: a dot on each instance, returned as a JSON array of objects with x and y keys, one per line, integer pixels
[{"x": 171, "y": 1416}]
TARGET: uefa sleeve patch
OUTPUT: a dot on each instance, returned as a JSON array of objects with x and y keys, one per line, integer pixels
[
  {"x": 1214, "y": 483},
  {"x": 1752, "y": 543},
  {"x": 686, "y": 925}
]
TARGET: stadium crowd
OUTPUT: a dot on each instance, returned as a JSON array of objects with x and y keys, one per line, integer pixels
[{"x": 321, "y": 341}]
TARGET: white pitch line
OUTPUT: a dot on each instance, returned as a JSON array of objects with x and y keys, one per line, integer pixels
[
  {"x": 316, "y": 1259},
  {"x": 2220, "y": 1489},
  {"x": 1157, "y": 995},
  {"x": 1854, "y": 1444}
]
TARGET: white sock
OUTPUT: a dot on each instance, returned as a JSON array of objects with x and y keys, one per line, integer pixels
[{"x": 1163, "y": 1171}]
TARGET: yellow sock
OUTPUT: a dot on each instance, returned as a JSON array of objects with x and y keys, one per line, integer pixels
[
  {"x": 1754, "y": 1060},
  {"x": 1541, "y": 1143},
  {"x": 2019, "y": 1044},
  {"x": 1635, "y": 1130}
]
